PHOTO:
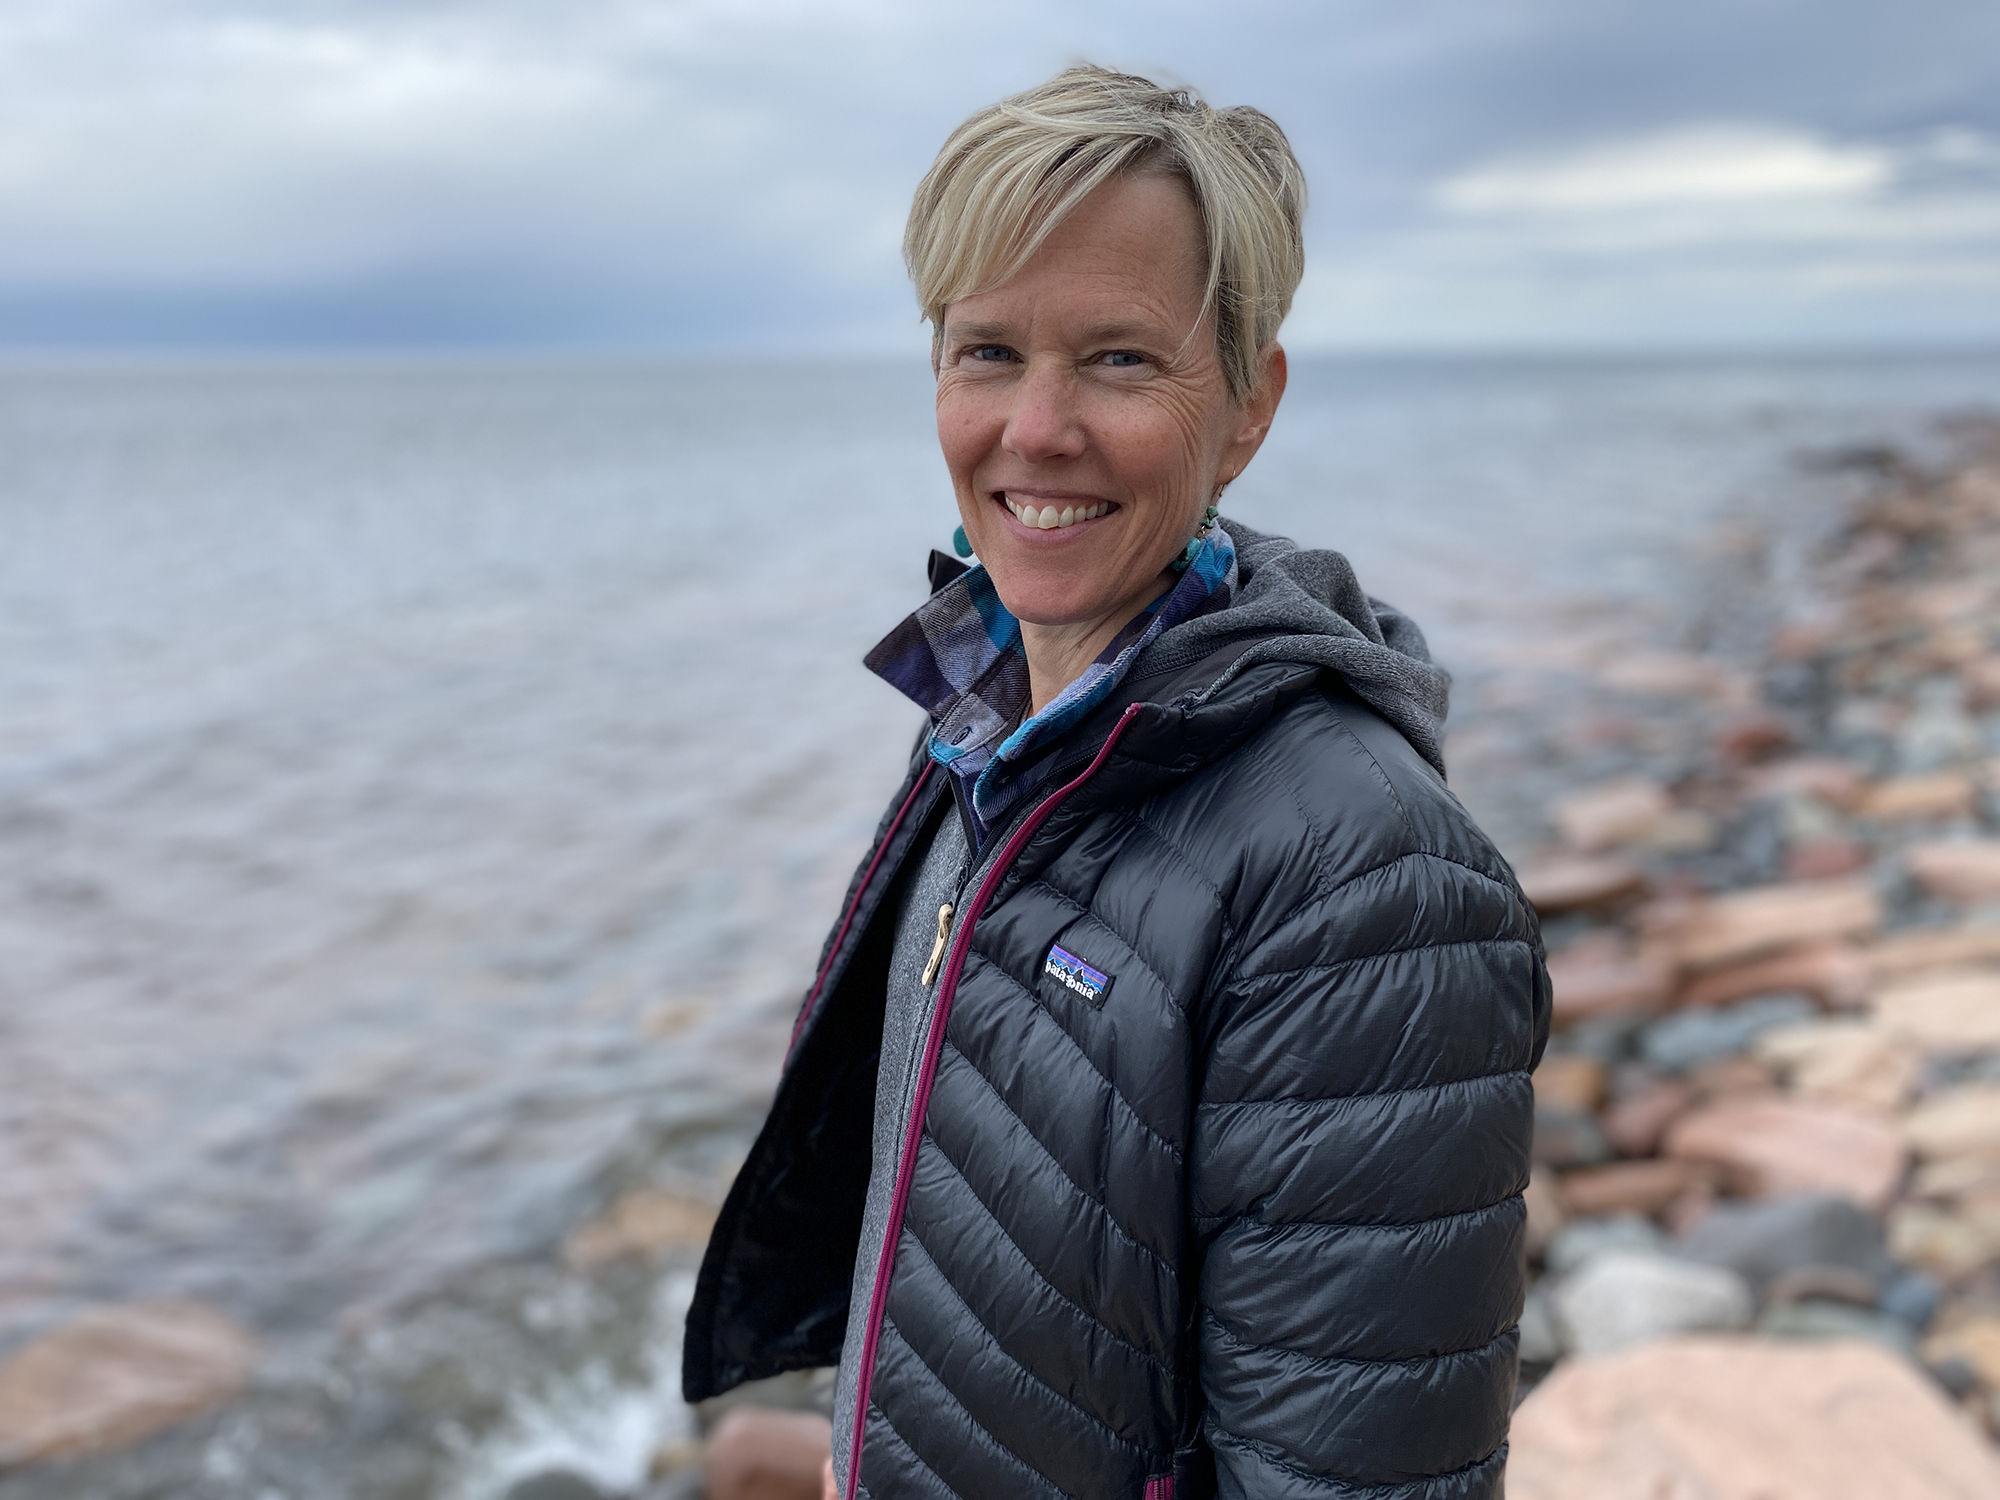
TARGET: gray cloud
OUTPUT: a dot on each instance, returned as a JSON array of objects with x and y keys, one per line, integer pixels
[{"x": 714, "y": 174}]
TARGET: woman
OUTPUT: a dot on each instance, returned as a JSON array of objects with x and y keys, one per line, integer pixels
[{"x": 1157, "y": 1124}]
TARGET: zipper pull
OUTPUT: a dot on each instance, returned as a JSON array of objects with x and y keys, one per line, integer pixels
[{"x": 937, "y": 948}]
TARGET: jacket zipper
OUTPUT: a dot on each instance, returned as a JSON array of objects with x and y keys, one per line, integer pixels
[
  {"x": 853, "y": 906},
  {"x": 906, "y": 1162}
]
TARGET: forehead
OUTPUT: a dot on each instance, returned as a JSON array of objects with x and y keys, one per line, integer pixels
[{"x": 1131, "y": 250}]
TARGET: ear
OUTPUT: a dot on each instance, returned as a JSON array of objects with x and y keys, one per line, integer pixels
[{"x": 1258, "y": 410}]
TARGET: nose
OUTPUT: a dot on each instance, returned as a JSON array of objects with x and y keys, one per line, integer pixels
[{"x": 1044, "y": 422}]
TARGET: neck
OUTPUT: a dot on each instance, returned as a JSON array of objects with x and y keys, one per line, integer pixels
[{"x": 1058, "y": 654}]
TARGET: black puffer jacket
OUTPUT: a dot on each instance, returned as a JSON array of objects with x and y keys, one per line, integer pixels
[{"x": 1249, "y": 1223}]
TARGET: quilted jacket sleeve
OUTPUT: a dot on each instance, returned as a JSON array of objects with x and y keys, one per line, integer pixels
[{"x": 1360, "y": 1144}]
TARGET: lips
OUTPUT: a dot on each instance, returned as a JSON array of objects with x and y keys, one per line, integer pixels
[{"x": 1053, "y": 516}]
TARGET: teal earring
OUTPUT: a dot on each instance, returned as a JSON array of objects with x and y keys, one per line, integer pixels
[
  {"x": 1193, "y": 549},
  {"x": 960, "y": 544}
]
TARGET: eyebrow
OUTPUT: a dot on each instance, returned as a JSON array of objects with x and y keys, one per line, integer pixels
[{"x": 1097, "y": 334}]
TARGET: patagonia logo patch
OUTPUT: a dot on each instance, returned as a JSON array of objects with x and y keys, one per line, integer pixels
[{"x": 1066, "y": 969}]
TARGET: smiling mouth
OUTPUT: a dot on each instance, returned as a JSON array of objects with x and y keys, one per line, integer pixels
[{"x": 1053, "y": 517}]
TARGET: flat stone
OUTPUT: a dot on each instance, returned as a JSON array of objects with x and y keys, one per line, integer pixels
[
  {"x": 1583, "y": 1240},
  {"x": 1611, "y": 813},
  {"x": 1964, "y": 1121},
  {"x": 1847, "y": 1061},
  {"x": 1967, "y": 870},
  {"x": 1834, "y": 974},
  {"x": 1763, "y": 1242},
  {"x": 1823, "y": 1284},
  {"x": 1637, "y": 1187},
  {"x": 1731, "y": 1077},
  {"x": 1838, "y": 783},
  {"x": 1568, "y": 1138},
  {"x": 644, "y": 1222},
  {"x": 1942, "y": 794},
  {"x": 1546, "y": 1214},
  {"x": 117, "y": 1374},
  {"x": 1945, "y": 1012},
  {"x": 1976, "y": 1341},
  {"x": 1820, "y": 1319},
  {"x": 1626, "y": 1297},
  {"x": 1562, "y": 883},
  {"x": 1910, "y": 953},
  {"x": 1952, "y": 1242},
  {"x": 1824, "y": 858},
  {"x": 1775, "y": 1147},
  {"x": 1717, "y": 1417},
  {"x": 1688, "y": 1038},
  {"x": 1708, "y": 933},
  {"x": 1634, "y": 1122},
  {"x": 1596, "y": 983},
  {"x": 1541, "y": 1329},
  {"x": 1571, "y": 1081},
  {"x": 1668, "y": 674}
]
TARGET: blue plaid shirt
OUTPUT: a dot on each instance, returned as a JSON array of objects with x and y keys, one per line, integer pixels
[{"x": 960, "y": 659}]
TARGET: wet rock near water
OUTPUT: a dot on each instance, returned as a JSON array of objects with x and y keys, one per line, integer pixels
[{"x": 1769, "y": 1115}]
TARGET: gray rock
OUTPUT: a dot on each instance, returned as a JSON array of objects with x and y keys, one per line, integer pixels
[
  {"x": 554, "y": 1484},
  {"x": 1836, "y": 1320},
  {"x": 1541, "y": 1329},
  {"x": 1913, "y": 1297},
  {"x": 1569, "y": 1138},
  {"x": 1937, "y": 733},
  {"x": 1582, "y": 1240},
  {"x": 1626, "y": 1297},
  {"x": 1689, "y": 1038},
  {"x": 1760, "y": 1240}
]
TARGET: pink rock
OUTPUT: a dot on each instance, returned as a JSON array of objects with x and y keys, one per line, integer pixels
[
  {"x": 1595, "y": 980},
  {"x": 1963, "y": 871},
  {"x": 1733, "y": 1417},
  {"x": 115, "y": 1375},
  {"x": 1944, "y": 794},
  {"x": 1708, "y": 933},
  {"x": 1774, "y": 1146},
  {"x": 1616, "y": 812},
  {"x": 1630, "y": 1187},
  {"x": 1835, "y": 974},
  {"x": 1837, "y": 782},
  {"x": 1577, "y": 882}
]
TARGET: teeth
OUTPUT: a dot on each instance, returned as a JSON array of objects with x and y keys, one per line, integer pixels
[{"x": 1049, "y": 517}]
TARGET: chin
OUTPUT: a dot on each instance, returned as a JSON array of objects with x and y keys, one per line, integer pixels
[{"x": 1037, "y": 597}]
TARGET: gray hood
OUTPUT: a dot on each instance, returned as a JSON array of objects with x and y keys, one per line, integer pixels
[{"x": 1306, "y": 605}]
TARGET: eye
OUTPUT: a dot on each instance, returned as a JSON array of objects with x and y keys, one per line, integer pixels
[
  {"x": 992, "y": 354},
  {"x": 1124, "y": 359}
]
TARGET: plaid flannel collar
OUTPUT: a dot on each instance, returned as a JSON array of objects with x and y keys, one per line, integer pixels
[{"x": 960, "y": 658}]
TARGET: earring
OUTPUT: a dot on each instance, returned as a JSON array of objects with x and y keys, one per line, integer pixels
[
  {"x": 1193, "y": 548},
  {"x": 960, "y": 543}
]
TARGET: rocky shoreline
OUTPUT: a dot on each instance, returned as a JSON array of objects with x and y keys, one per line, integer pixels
[{"x": 1769, "y": 1116}]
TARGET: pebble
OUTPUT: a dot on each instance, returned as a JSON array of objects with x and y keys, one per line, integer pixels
[
  {"x": 1943, "y": 794},
  {"x": 1635, "y": 1121},
  {"x": 1848, "y": 1061},
  {"x": 1541, "y": 1330},
  {"x": 1948, "y": 1012},
  {"x": 1594, "y": 983},
  {"x": 1821, "y": 1319},
  {"x": 1952, "y": 1242},
  {"x": 1744, "y": 1418},
  {"x": 1745, "y": 924},
  {"x": 1613, "y": 813},
  {"x": 1773, "y": 1147},
  {"x": 1976, "y": 1342},
  {"x": 117, "y": 1374},
  {"x": 1583, "y": 1240},
  {"x": 1764, "y": 1241},
  {"x": 1966, "y": 870},
  {"x": 1569, "y": 1081},
  {"x": 1906, "y": 953},
  {"x": 1637, "y": 1187},
  {"x": 1568, "y": 1138},
  {"x": 1687, "y": 1038},
  {"x": 1835, "y": 974},
  {"x": 643, "y": 1222},
  {"x": 1964, "y": 1121},
  {"x": 1624, "y": 1297},
  {"x": 1572, "y": 882}
]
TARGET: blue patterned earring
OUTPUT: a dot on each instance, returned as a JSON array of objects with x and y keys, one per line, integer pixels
[
  {"x": 1193, "y": 549},
  {"x": 960, "y": 543}
]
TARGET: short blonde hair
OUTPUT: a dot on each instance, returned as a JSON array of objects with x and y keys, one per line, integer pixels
[{"x": 1014, "y": 171}]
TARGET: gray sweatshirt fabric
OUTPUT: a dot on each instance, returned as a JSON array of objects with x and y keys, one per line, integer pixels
[
  {"x": 905, "y": 1018},
  {"x": 1304, "y": 606}
]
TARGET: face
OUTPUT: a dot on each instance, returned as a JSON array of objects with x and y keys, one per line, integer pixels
[{"x": 1083, "y": 412}]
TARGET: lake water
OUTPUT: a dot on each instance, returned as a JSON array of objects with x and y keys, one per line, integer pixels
[{"x": 424, "y": 789}]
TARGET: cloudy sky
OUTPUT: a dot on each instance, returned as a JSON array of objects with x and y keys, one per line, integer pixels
[{"x": 725, "y": 175}]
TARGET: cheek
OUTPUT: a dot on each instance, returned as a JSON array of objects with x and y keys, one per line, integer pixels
[{"x": 965, "y": 432}]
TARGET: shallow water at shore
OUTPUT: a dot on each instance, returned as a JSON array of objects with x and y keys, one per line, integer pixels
[{"x": 423, "y": 791}]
